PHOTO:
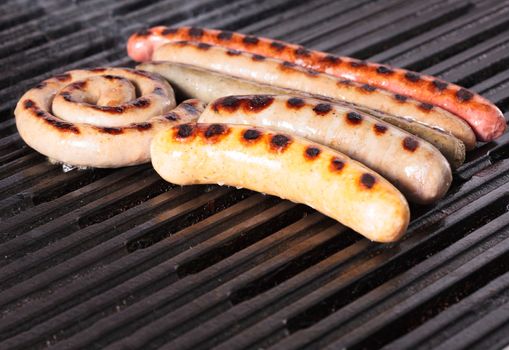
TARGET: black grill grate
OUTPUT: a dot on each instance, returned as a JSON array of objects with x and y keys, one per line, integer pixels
[{"x": 119, "y": 258}]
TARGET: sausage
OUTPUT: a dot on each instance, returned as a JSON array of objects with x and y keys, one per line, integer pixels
[
  {"x": 485, "y": 118},
  {"x": 287, "y": 75},
  {"x": 61, "y": 119},
  {"x": 414, "y": 166},
  {"x": 192, "y": 82},
  {"x": 286, "y": 166}
]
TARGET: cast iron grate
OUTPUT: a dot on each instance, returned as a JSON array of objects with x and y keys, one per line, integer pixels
[{"x": 118, "y": 258}]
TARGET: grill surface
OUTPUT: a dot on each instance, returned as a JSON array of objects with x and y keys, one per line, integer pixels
[{"x": 119, "y": 258}]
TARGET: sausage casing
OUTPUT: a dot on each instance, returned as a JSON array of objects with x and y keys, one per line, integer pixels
[
  {"x": 484, "y": 117},
  {"x": 285, "y": 75},
  {"x": 286, "y": 166},
  {"x": 414, "y": 166}
]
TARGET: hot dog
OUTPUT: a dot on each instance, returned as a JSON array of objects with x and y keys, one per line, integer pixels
[
  {"x": 285, "y": 166},
  {"x": 285, "y": 75},
  {"x": 60, "y": 117},
  {"x": 192, "y": 82},
  {"x": 485, "y": 118},
  {"x": 415, "y": 167}
]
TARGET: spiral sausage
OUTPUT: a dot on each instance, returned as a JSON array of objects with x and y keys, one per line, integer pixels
[
  {"x": 485, "y": 118},
  {"x": 92, "y": 118}
]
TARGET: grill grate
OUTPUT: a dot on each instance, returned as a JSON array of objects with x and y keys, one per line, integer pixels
[{"x": 119, "y": 258}]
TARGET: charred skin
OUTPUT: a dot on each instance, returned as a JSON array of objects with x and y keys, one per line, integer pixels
[
  {"x": 485, "y": 118},
  {"x": 205, "y": 85},
  {"x": 415, "y": 167},
  {"x": 285, "y": 166},
  {"x": 115, "y": 135}
]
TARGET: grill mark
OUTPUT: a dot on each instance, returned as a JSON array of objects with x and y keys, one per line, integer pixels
[
  {"x": 302, "y": 52},
  {"x": 258, "y": 103},
  {"x": 184, "y": 131},
  {"x": 312, "y": 153},
  {"x": 384, "y": 70},
  {"x": 204, "y": 46},
  {"x": 410, "y": 144},
  {"x": 172, "y": 116},
  {"x": 215, "y": 131},
  {"x": 400, "y": 98},
  {"x": 322, "y": 108},
  {"x": 336, "y": 165},
  {"x": 353, "y": 118},
  {"x": 379, "y": 129},
  {"x": 251, "y": 135},
  {"x": 225, "y": 35},
  {"x": 346, "y": 82},
  {"x": 367, "y": 180},
  {"x": 233, "y": 52},
  {"x": 169, "y": 31},
  {"x": 295, "y": 103},
  {"x": 440, "y": 85},
  {"x": 277, "y": 46},
  {"x": 110, "y": 109},
  {"x": 331, "y": 60},
  {"x": 195, "y": 32},
  {"x": 426, "y": 107},
  {"x": 464, "y": 95},
  {"x": 141, "y": 103},
  {"x": 285, "y": 65},
  {"x": 48, "y": 118},
  {"x": 229, "y": 103},
  {"x": 368, "y": 88},
  {"x": 143, "y": 126},
  {"x": 110, "y": 130},
  {"x": 98, "y": 70},
  {"x": 280, "y": 142},
  {"x": 257, "y": 57},
  {"x": 312, "y": 72},
  {"x": 251, "y": 40},
  {"x": 413, "y": 77},
  {"x": 190, "y": 108},
  {"x": 358, "y": 64}
]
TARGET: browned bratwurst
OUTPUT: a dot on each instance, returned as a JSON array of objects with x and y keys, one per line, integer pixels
[
  {"x": 484, "y": 117},
  {"x": 289, "y": 76},
  {"x": 414, "y": 166},
  {"x": 93, "y": 118},
  {"x": 286, "y": 166}
]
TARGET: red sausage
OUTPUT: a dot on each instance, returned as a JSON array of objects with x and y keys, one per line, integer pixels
[{"x": 485, "y": 118}]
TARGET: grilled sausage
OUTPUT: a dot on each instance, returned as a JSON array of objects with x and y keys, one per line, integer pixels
[
  {"x": 414, "y": 166},
  {"x": 61, "y": 119},
  {"x": 285, "y": 166},
  {"x": 484, "y": 117},
  {"x": 285, "y": 75},
  {"x": 192, "y": 82}
]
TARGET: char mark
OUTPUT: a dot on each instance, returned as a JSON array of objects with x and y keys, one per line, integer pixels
[
  {"x": 336, "y": 164},
  {"x": 185, "y": 130},
  {"x": 380, "y": 129},
  {"x": 251, "y": 135},
  {"x": 410, "y": 144},
  {"x": 277, "y": 45},
  {"x": 280, "y": 142},
  {"x": 225, "y": 35},
  {"x": 440, "y": 85},
  {"x": 228, "y": 103},
  {"x": 258, "y": 103},
  {"x": 322, "y": 108},
  {"x": 384, "y": 70},
  {"x": 295, "y": 102},
  {"x": 413, "y": 77},
  {"x": 354, "y": 118},
  {"x": 63, "y": 77},
  {"x": 312, "y": 152},
  {"x": 169, "y": 31},
  {"x": 249, "y": 39},
  {"x": 368, "y": 180},
  {"x": 195, "y": 32},
  {"x": 215, "y": 130},
  {"x": 464, "y": 95}
]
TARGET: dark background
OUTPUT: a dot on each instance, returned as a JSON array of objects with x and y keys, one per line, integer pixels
[{"x": 119, "y": 258}]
